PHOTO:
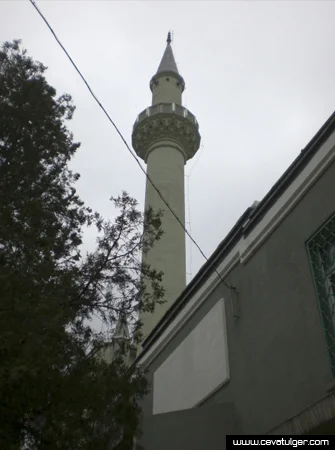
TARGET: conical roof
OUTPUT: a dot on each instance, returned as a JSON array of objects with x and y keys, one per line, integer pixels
[
  {"x": 168, "y": 66},
  {"x": 121, "y": 329},
  {"x": 168, "y": 63}
]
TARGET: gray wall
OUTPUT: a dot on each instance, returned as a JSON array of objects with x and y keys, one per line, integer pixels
[
  {"x": 277, "y": 351},
  {"x": 193, "y": 429}
]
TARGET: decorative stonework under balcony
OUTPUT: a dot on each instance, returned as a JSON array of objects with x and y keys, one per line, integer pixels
[{"x": 166, "y": 121}]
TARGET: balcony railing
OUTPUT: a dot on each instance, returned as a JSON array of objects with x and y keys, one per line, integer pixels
[{"x": 168, "y": 108}]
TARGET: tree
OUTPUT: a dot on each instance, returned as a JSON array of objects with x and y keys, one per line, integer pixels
[{"x": 54, "y": 391}]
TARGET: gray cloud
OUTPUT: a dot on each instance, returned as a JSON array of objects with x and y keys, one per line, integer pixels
[{"x": 259, "y": 78}]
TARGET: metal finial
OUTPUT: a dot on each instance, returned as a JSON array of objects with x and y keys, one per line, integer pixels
[{"x": 169, "y": 38}]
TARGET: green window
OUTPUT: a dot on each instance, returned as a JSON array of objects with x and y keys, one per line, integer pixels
[{"x": 321, "y": 251}]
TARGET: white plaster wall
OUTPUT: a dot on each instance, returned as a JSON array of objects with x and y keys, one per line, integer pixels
[{"x": 197, "y": 368}]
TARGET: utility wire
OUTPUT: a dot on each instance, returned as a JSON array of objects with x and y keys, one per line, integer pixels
[
  {"x": 124, "y": 141},
  {"x": 196, "y": 161}
]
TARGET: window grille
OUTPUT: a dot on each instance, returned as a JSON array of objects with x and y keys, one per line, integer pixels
[{"x": 321, "y": 252}]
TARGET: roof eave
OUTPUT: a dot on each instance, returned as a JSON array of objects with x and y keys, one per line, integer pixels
[
  {"x": 223, "y": 248},
  {"x": 293, "y": 170},
  {"x": 252, "y": 216}
]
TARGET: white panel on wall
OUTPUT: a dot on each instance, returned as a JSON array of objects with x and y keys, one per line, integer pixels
[{"x": 196, "y": 368}]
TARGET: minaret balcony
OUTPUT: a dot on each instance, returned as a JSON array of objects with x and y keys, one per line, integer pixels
[
  {"x": 167, "y": 108},
  {"x": 166, "y": 121}
]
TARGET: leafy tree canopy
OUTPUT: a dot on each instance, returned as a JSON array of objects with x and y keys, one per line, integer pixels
[{"x": 55, "y": 393}]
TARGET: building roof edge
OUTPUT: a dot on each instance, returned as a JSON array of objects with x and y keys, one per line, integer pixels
[{"x": 252, "y": 216}]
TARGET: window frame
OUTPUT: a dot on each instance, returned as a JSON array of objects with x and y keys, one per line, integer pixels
[{"x": 321, "y": 255}]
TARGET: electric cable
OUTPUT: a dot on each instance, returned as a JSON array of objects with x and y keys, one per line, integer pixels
[{"x": 124, "y": 141}]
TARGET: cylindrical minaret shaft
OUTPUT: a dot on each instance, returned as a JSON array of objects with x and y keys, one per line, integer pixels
[
  {"x": 166, "y": 135},
  {"x": 166, "y": 170}
]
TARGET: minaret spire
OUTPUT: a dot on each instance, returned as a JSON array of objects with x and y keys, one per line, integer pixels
[
  {"x": 168, "y": 64},
  {"x": 166, "y": 136},
  {"x": 121, "y": 330},
  {"x": 119, "y": 341},
  {"x": 167, "y": 85}
]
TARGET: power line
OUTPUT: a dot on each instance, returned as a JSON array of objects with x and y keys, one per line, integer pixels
[
  {"x": 124, "y": 141},
  {"x": 197, "y": 160}
]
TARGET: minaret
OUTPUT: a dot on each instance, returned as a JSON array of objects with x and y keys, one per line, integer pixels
[
  {"x": 120, "y": 341},
  {"x": 165, "y": 136}
]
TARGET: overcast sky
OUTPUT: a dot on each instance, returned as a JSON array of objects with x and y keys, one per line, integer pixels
[{"x": 260, "y": 78}]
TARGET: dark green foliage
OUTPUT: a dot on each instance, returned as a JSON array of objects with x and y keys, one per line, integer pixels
[{"x": 55, "y": 393}]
